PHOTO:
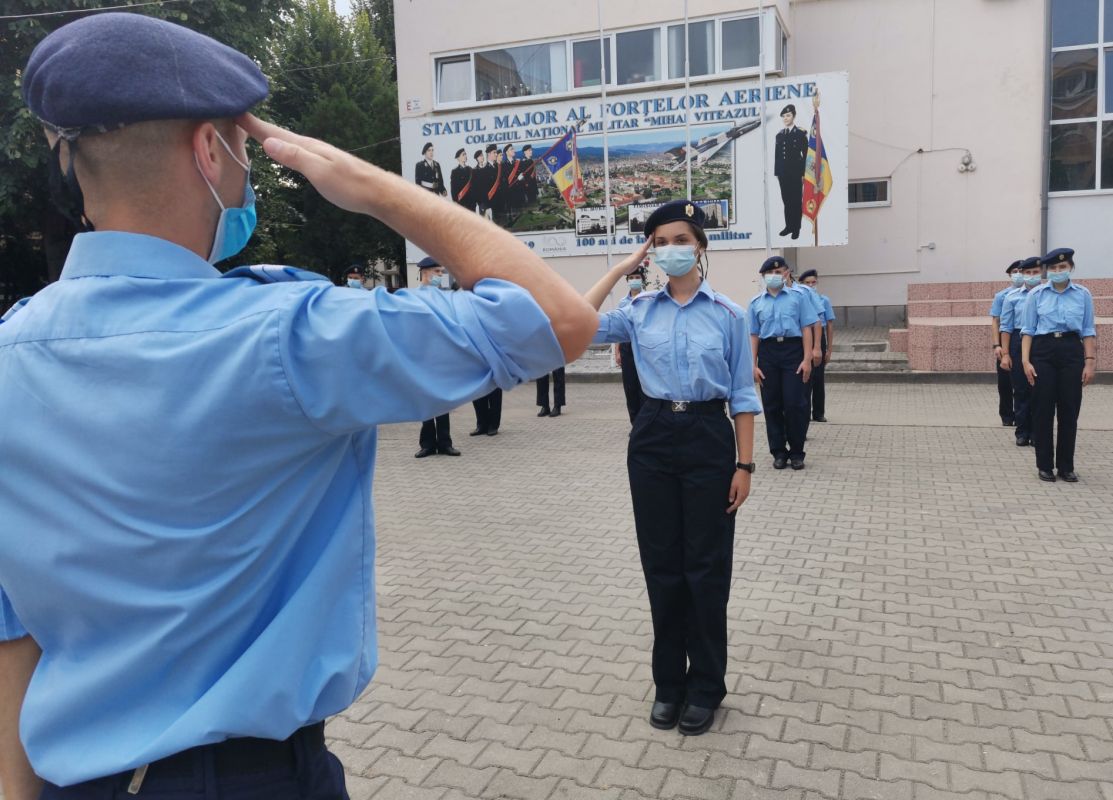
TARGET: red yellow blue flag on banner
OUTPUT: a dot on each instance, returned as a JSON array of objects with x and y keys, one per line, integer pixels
[
  {"x": 817, "y": 173},
  {"x": 564, "y": 168}
]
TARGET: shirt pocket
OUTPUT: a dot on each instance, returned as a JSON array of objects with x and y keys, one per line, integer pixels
[
  {"x": 655, "y": 350},
  {"x": 707, "y": 359},
  {"x": 1072, "y": 315}
]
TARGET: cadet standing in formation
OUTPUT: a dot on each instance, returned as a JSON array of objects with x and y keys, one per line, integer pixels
[
  {"x": 781, "y": 323},
  {"x": 427, "y": 173},
  {"x": 817, "y": 392},
  {"x": 436, "y": 432},
  {"x": 624, "y": 352},
  {"x": 529, "y": 175},
  {"x": 481, "y": 185},
  {"x": 460, "y": 181},
  {"x": 1004, "y": 381},
  {"x": 1012, "y": 312},
  {"x": 1059, "y": 355},
  {"x": 190, "y": 533},
  {"x": 689, "y": 469}
]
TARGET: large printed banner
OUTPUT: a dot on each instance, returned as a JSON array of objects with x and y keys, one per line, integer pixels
[{"x": 501, "y": 162}]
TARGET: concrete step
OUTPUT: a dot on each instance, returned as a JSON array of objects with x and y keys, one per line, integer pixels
[
  {"x": 868, "y": 361},
  {"x": 861, "y": 347}
]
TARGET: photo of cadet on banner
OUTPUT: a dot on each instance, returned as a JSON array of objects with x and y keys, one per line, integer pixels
[{"x": 538, "y": 170}]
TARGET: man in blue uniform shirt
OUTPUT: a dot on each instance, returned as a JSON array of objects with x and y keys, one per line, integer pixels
[
  {"x": 436, "y": 432},
  {"x": 781, "y": 323},
  {"x": 1004, "y": 382},
  {"x": 1012, "y": 309},
  {"x": 188, "y": 532},
  {"x": 1059, "y": 353}
]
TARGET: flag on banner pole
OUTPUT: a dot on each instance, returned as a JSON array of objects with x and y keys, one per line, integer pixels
[
  {"x": 563, "y": 164},
  {"x": 817, "y": 173}
]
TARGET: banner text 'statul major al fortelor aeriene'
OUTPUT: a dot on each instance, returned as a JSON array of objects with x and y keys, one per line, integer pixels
[{"x": 500, "y": 161}]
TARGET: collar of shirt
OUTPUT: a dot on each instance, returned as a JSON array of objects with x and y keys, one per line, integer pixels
[
  {"x": 704, "y": 289},
  {"x": 114, "y": 253}
]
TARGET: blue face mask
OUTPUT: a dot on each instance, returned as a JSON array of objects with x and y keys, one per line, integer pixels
[
  {"x": 437, "y": 281},
  {"x": 1059, "y": 277},
  {"x": 235, "y": 226},
  {"x": 774, "y": 280},
  {"x": 1032, "y": 280},
  {"x": 354, "y": 283},
  {"x": 635, "y": 286},
  {"x": 1018, "y": 278},
  {"x": 676, "y": 259}
]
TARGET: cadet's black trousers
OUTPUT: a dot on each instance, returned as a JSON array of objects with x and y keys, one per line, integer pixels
[
  {"x": 631, "y": 384},
  {"x": 435, "y": 434},
  {"x": 1022, "y": 392},
  {"x": 1005, "y": 395},
  {"x": 792, "y": 195},
  {"x": 558, "y": 389},
  {"x": 783, "y": 395},
  {"x": 816, "y": 388},
  {"x": 681, "y": 466},
  {"x": 1057, "y": 393},
  {"x": 488, "y": 411}
]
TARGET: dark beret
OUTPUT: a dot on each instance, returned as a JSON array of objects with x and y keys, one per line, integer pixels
[
  {"x": 1064, "y": 255},
  {"x": 1012, "y": 266},
  {"x": 460, "y": 152},
  {"x": 789, "y": 109},
  {"x": 682, "y": 210},
  {"x": 772, "y": 263},
  {"x": 527, "y": 147},
  {"x": 478, "y": 153},
  {"x": 492, "y": 148},
  {"x": 113, "y": 69},
  {"x": 428, "y": 146},
  {"x": 1028, "y": 263},
  {"x": 508, "y": 147},
  {"x": 811, "y": 273},
  {"x": 427, "y": 262}
]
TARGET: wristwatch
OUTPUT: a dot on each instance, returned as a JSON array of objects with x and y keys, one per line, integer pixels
[{"x": 747, "y": 467}]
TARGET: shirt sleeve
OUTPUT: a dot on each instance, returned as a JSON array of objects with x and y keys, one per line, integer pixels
[
  {"x": 743, "y": 395},
  {"x": 807, "y": 312},
  {"x": 10, "y": 626},
  {"x": 829, "y": 309},
  {"x": 358, "y": 359},
  {"x": 751, "y": 318},
  {"x": 1028, "y": 315},
  {"x": 995, "y": 306},
  {"x": 614, "y": 326},
  {"x": 817, "y": 301},
  {"x": 1088, "y": 328},
  {"x": 1008, "y": 312}
]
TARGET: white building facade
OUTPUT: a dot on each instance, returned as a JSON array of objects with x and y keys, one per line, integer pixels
[{"x": 978, "y": 131}]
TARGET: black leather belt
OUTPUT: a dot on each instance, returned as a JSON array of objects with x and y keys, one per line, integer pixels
[
  {"x": 1059, "y": 335},
  {"x": 780, "y": 339},
  {"x": 688, "y": 406}
]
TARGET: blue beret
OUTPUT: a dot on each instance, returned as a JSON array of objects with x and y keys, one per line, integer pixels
[
  {"x": 772, "y": 263},
  {"x": 672, "y": 211},
  {"x": 811, "y": 273},
  {"x": 1028, "y": 263},
  {"x": 1012, "y": 266},
  {"x": 427, "y": 262},
  {"x": 113, "y": 69},
  {"x": 1064, "y": 255}
]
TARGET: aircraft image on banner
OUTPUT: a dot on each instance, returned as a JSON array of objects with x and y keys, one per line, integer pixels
[{"x": 706, "y": 148}]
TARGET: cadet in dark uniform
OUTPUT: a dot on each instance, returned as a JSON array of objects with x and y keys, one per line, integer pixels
[
  {"x": 781, "y": 337},
  {"x": 460, "y": 180},
  {"x": 480, "y": 185},
  {"x": 515, "y": 193},
  {"x": 689, "y": 467},
  {"x": 1059, "y": 354},
  {"x": 817, "y": 392},
  {"x": 496, "y": 195},
  {"x": 427, "y": 173},
  {"x": 529, "y": 176},
  {"x": 1012, "y": 311},
  {"x": 789, "y": 160},
  {"x": 436, "y": 433},
  {"x": 624, "y": 352},
  {"x": 559, "y": 400},
  {"x": 1004, "y": 380}
]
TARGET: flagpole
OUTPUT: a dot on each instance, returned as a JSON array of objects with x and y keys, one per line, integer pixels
[
  {"x": 818, "y": 162},
  {"x": 687, "y": 102},
  {"x": 606, "y": 149},
  {"x": 764, "y": 133}
]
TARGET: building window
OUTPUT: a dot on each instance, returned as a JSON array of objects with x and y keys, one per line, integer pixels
[
  {"x": 741, "y": 43},
  {"x": 1074, "y": 84},
  {"x": 638, "y": 56},
  {"x": 702, "y": 60},
  {"x": 868, "y": 194},
  {"x": 453, "y": 79},
  {"x": 521, "y": 71},
  {"x": 1074, "y": 22},
  {"x": 585, "y": 62}
]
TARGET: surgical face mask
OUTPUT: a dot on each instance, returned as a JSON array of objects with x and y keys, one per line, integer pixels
[
  {"x": 676, "y": 259},
  {"x": 1018, "y": 278},
  {"x": 437, "y": 281},
  {"x": 634, "y": 286},
  {"x": 354, "y": 283},
  {"x": 235, "y": 226},
  {"x": 1032, "y": 280},
  {"x": 1059, "y": 277},
  {"x": 774, "y": 280}
]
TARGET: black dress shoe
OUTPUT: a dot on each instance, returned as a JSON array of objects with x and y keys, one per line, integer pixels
[
  {"x": 780, "y": 462},
  {"x": 1008, "y": 423},
  {"x": 425, "y": 452},
  {"x": 478, "y": 432},
  {"x": 1021, "y": 441},
  {"x": 696, "y": 720},
  {"x": 795, "y": 235},
  {"x": 819, "y": 419},
  {"x": 1047, "y": 476},
  {"x": 663, "y": 716},
  {"x": 556, "y": 411},
  {"x": 797, "y": 463},
  {"x": 493, "y": 432},
  {"x": 449, "y": 451},
  {"x": 544, "y": 412},
  {"x": 1069, "y": 477},
  {"x": 785, "y": 232}
]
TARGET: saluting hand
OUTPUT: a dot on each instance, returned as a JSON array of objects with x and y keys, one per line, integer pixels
[
  {"x": 1030, "y": 373},
  {"x": 739, "y": 490}
]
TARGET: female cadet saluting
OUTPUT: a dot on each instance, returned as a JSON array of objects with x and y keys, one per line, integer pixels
[{"x": 689, "y": 469}]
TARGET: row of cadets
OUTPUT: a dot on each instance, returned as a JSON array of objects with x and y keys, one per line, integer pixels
[
  {"x": 1026, "y": 275},
  {"x": 817, "y": 392},
  {"x": 1004, "y": 381}
]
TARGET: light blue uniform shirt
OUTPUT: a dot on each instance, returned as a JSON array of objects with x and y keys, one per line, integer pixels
[
  {"x": 1011, "y": 308},
  {"x": 1049, "y": 311},
  {"x": 999, "y": 300},
  {"x": 828, "y": 309},
  {"x": 813, "y": 296},
  {"x": 696, "y": 351},
  {"x": 187, "y": 518},
  {"x": 785, "y": 314}
]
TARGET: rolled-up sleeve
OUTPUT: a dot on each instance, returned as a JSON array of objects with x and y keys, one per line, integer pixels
[
  {"x": 614, "y": 326},
  {"x": 1008, "y": 316},
  {"x": 1088, "y": 328},
  {"x": 358, "y": 359},
  {"x": 995, "y": 306},
  {"x": 828, "y": 309},
  {"x": 1029, "y": 317},
  {"x": 743, "y": 394},
  {"x": 10, "y": 626},
  {"x": 807, "y": 313}
]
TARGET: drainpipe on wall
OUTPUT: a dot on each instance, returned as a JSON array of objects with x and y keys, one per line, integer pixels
[{"x": 1045, "y": 149}]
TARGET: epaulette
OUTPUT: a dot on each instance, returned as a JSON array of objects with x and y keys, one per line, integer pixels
[
  {"x": 652, "y": 293},
  {"x": 11, "y": 311},
  {"x": 274, "y": 273},
  {"x": 718, "y": 301}
]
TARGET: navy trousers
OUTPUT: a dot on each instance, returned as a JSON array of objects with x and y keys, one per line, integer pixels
[
  {"x": 1022, "y": 392},
  {"x": 816, "y": 387},
  {"x": 302, "y": 769},
  {"x": 783, "y": 396},
  {"x": 1057, "y": 394},
  {"x": 1004, "y": 395},
  {"x": 681, "y": 466},
  {"x": 436, "y": 434},
  {"x": 558, "y": 389},
  {"x": 631, "y": 384},
  {"x": 488, "y": 411}
]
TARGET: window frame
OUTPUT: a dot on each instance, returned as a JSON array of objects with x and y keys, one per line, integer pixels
[{"x": 874, "y": 204}]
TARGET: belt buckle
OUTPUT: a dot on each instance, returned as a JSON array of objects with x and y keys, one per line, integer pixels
[
  {"x": 1057, "y": 334},
  {"x": 780, "y": 338},
  {"x": 679, "y": 406}
]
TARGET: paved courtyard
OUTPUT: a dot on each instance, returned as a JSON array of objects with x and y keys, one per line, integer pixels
[{"x": 914, "y": 617}]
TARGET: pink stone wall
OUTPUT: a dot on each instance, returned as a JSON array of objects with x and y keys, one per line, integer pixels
[{"x": 898, "y": 340}]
